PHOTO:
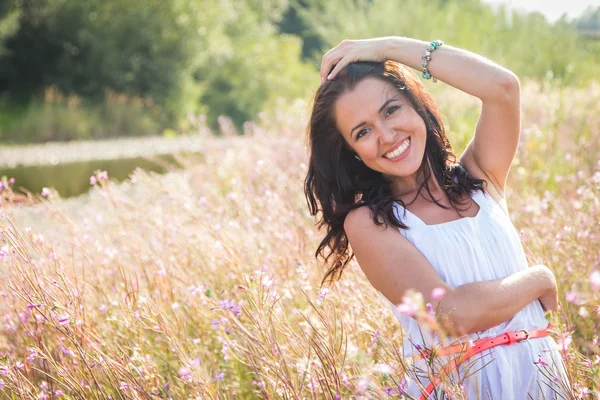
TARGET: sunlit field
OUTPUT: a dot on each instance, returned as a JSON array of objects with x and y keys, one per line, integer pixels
[{"x": 202, "y": 283}]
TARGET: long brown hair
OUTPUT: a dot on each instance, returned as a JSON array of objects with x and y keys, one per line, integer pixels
[{"x": 340, "y": 183}]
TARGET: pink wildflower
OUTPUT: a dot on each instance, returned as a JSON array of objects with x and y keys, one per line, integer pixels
[
  {"x": 430, "y": 309},
  {"x": 541, "y": 361},
  {"x": 438, "y": 293},
  {"x": 407, "y": 307},
  {"x": 595, "y": 279},
  {"x": 571, "y": 297},
  {"x": 11, "y": 181},
  {"x": 220, "y": 376},
  {"x": 64, "y": 320},
  {"x": 563, "y": 343},
  {"x": 230, "y": 305},
  {"x": 103, "y": 176},
  {"x": 322, "y": 293},
  {"x": 45, "y": 192},
  {"x": 124, "y": 386},
  {"x": 93, "y": 180},
  {"x": 185, "y": 373}
]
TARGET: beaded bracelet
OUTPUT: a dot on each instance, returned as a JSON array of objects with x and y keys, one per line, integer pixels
[{"x": 427, "y": 57}]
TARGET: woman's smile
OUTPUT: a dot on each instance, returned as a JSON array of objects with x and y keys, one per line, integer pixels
[{"x": 399, "y": 152}]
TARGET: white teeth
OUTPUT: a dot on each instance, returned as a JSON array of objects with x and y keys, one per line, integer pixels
[{"x": 401, "y": 149}]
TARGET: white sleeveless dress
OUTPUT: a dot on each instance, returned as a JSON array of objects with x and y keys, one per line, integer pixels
[{"x": 481, "y": 248}]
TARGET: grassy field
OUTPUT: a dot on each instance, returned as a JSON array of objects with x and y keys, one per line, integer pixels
[{"x": 202, "y": 283}]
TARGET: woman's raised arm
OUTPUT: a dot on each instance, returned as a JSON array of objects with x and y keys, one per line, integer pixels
[{"x": 393, "y": 265}]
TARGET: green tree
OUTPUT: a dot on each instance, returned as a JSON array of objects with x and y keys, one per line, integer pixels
[{"x": 145, "y": 49}]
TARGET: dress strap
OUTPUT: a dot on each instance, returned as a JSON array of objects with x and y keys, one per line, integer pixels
[{"x": 406, "y": 217}]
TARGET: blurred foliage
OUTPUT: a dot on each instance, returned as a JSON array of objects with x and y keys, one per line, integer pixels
[
  {"x": 589, "y": 20},
  {"x": 236, "y": 58},
  {"x": 527, "y": 44}
]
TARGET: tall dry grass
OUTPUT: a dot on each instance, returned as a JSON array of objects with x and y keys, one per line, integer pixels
[{"x": 202, "y": 283}]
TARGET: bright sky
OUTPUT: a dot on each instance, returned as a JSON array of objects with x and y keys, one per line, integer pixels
[{"x": 552, "y": 9}]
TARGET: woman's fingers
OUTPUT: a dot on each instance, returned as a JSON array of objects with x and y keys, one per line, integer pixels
[
  {"x": 329, "y": 60},
  {"x": 338, "y": 67}
]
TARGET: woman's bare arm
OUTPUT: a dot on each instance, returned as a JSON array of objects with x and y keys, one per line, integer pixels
[{"x": 393, "y": 265}]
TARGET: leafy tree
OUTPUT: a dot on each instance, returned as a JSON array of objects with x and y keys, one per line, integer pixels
[{"x": 86, "y": 47}]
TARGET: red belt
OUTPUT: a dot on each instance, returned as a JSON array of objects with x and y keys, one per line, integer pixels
[{"x": 477, "y": 347}]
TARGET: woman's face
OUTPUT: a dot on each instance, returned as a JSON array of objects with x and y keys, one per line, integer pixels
[{"x": 381, "y": 126}]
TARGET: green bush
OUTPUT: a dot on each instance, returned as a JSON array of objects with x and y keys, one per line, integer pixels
[{"x": 60, "y": 118}]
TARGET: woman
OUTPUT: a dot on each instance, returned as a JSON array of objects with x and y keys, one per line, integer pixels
[{"x": 380, "y": 157}]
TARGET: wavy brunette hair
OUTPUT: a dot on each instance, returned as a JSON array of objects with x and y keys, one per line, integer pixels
[{"x": 340, "y": 183}]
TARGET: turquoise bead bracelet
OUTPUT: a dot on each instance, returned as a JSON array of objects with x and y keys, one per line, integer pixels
[{"x": 431, "y": 47}]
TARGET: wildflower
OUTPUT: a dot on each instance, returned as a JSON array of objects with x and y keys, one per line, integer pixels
[
  {"x": 45, "y": 192},
  {"x": 407, "y": 307},
  {"x": 3, "y": 370},
  {"x": 362, "y": 384},
  {"x": 230, "y": 305},
  {"x": 438, "y": 293},
  {"x": 124, "y": 386},
  {"x": 33, "y": 354},
  {"x": 403, "y": 386},
  {"x": 430, "y": 309},
  {"x": 186, "y": 374},
  {"x": 541, "y": 361},
  {"x": 563, "y": 343},
  {"x": 267, "y": 281},
  {"x": 93, "y": 180},
  {"x": 571, "y": 297},
  {"x": 19, "y": 365},
  {"x": 1, "y": 384},
  {"x": 595, "y": 279},
  {"x": 322, "y": 293},
  {"x": 383, "y": 369},
  {"x": 220, "y": 376},
  {"x": 58, "y": 393},
  {"x": 64, "y": 320},
  {"x": 103, "y": 176}
]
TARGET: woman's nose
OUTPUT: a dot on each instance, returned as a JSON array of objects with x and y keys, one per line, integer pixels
[{"x": 387, "y": 134}]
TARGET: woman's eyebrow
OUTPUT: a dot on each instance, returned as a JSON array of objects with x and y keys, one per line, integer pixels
[{"x": 388, "y": 101}]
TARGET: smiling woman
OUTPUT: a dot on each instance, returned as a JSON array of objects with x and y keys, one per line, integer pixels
[{"x": 379, "y": 156}]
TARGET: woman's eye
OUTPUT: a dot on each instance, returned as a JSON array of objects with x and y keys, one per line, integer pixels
[
  {"x": 391, "y": 110},
  {"x": 360, "y": 133}
]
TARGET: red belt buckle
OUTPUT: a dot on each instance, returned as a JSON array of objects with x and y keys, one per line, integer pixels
[{"x": 514, "y": 338}]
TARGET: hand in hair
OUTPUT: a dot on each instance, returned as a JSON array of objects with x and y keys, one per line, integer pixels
[{"x": 350, "y": 51}]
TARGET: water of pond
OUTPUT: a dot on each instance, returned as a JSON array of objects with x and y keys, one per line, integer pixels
[{"x": 73, "y": 179}]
